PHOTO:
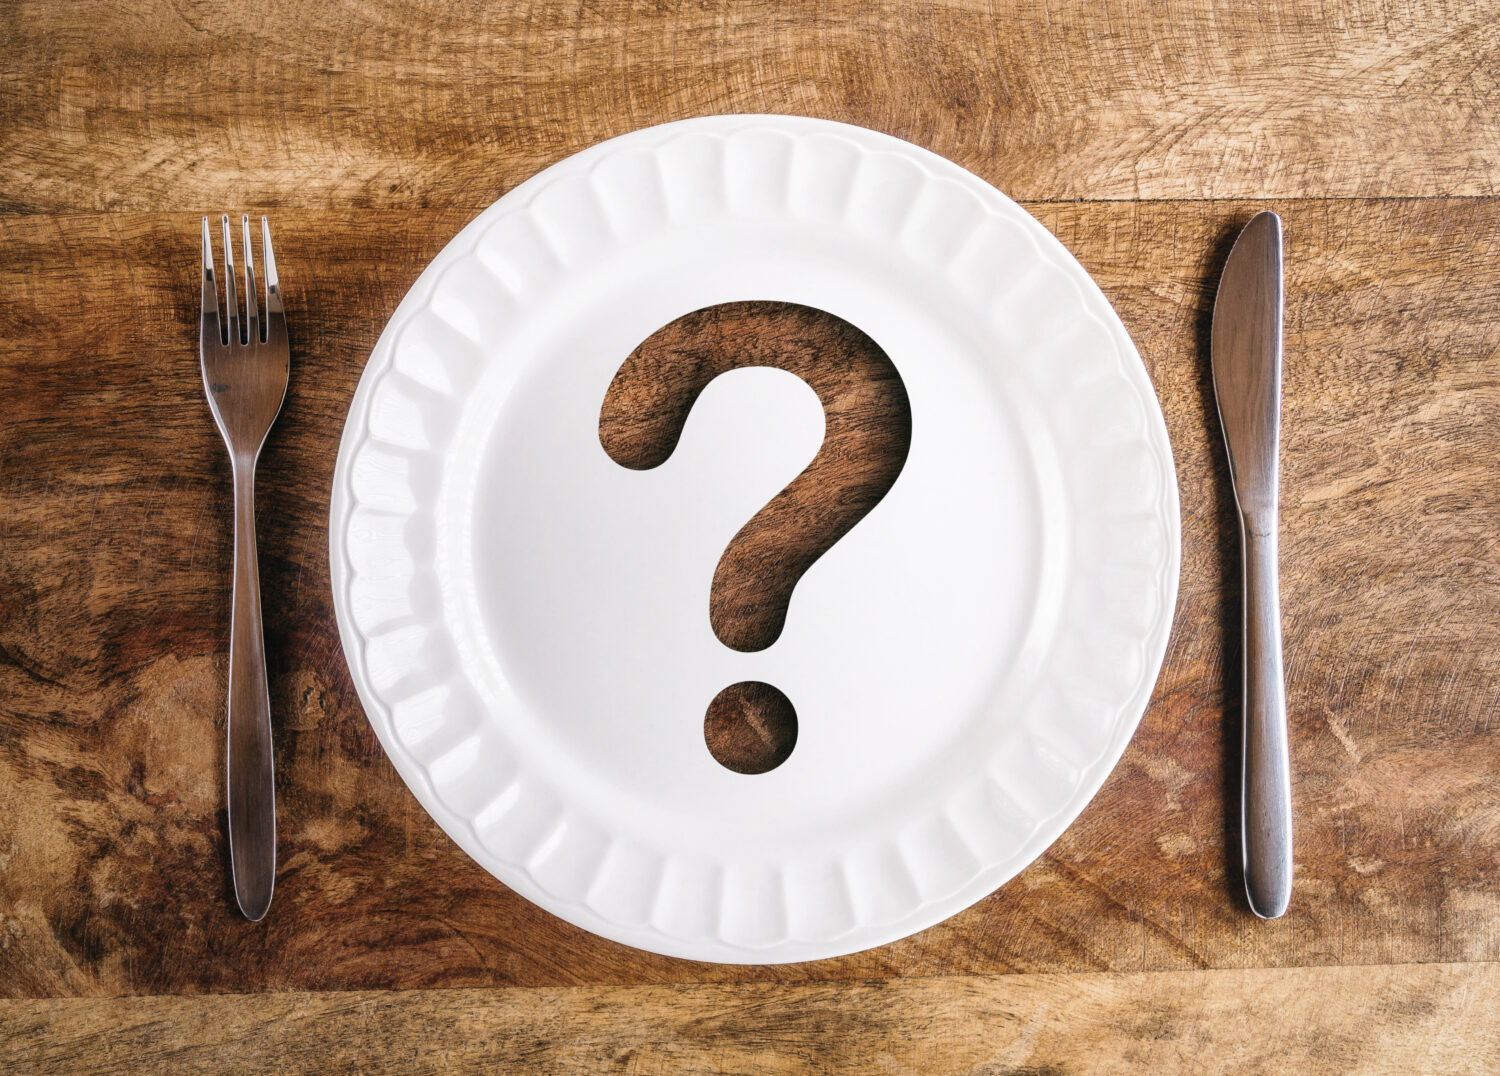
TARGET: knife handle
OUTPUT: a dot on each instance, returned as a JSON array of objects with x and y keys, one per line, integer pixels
[{"x": 1266, "y": 781}]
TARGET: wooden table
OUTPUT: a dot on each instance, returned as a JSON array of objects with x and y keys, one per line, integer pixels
[{"x": 371, "y": 132}]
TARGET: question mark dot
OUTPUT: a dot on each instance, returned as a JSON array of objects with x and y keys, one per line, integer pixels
[{"x": 750, "y": 727}]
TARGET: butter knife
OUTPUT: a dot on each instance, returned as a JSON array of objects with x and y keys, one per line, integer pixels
[{"x": 1246, "y": 358}]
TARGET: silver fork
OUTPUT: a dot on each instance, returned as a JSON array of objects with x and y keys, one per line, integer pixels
[{"x": 245, "y": 379}]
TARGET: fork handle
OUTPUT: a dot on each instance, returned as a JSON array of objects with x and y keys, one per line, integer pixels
[
  {"x": 1266, "y": 797},
  {"x": 252, "y": 786}
]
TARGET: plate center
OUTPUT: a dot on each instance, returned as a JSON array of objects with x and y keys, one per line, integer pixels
[{"x": 592, "y": 582}]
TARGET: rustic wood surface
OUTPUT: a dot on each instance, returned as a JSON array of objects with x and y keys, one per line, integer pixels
[
  {"x": 372, "y": 132},
  {"x": 401, "y": 103},
  {"x": 1435, "y": 1018}
]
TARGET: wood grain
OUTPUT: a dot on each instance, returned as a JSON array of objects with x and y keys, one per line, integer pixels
[
  {"x": 114, "y": 555},
  {"x": 216, "y": 105},
  {"x": 1398, "y": 1020}
]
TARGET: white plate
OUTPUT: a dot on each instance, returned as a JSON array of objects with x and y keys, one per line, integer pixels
[{"x": 527, "y": 623}]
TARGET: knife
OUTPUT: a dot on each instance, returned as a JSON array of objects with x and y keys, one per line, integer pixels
[{"x": 1246, "y": 359}]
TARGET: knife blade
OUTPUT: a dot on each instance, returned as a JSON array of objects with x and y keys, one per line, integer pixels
[{"x": 1246, "y": 359}]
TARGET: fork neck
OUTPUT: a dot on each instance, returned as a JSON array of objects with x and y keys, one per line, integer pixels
[{"x": 242, "y": 465}]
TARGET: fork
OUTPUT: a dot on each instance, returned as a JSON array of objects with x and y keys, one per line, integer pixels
[{"x": 245, "y": 378}]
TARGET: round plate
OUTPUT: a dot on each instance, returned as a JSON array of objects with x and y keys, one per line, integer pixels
[{"x": 527, "y": 622}]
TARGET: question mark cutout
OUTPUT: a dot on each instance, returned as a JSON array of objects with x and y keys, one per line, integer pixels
[{"x": 751, "y": 727}]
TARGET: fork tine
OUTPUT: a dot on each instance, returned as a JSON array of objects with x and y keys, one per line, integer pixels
[
  {"x": 210, "y": 292},
  {"x": 230, "y": 299},
  {"x": 252, "y": 321},
  {"x": 273, "y": 284}
]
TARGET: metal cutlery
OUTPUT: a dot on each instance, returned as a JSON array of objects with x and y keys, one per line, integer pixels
[
  {"x": 1246, "y": 358},
  {"x": 245, "y": 372}
]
